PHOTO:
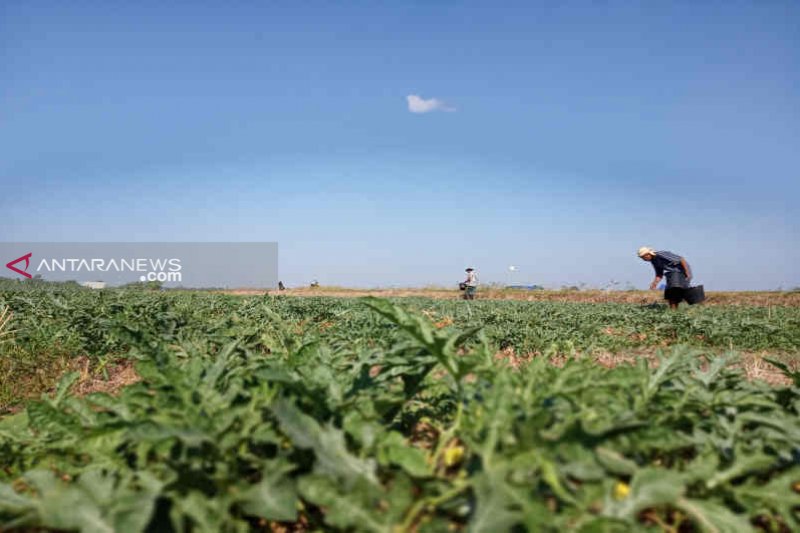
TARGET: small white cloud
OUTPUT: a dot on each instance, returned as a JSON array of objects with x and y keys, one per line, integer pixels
[{"x": 417, "y": 104}]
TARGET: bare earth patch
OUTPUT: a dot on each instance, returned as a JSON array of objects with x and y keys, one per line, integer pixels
[
  {"x": 756, "y": 368},
  {"x": 116, "y": 376}
]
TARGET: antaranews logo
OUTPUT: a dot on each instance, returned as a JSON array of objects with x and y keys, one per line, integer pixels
[
  {"x": 147, "y": 269},
  {"x": 115, "y": 264},
  {"x": 27, "y": 259}
]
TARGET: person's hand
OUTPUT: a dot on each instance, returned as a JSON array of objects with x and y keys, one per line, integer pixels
[{"x": 653, "y": 285}]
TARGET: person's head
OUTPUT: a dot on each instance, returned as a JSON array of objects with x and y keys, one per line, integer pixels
[
  {"x": 646, "y": 253},
  {"x": 470, "y": 269}
]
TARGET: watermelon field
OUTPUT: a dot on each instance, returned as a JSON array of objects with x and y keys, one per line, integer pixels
[{"x": 162, "y": 411}]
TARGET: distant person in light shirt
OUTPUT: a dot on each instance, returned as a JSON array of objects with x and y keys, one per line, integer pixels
[
  {"x": 471, "y": 284},
  {"x": 676, "y": 269}
]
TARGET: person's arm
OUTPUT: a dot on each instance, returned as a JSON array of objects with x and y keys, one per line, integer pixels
[
  {"x": 659, "y": 274},
  {"x": 686, "y": 269}
]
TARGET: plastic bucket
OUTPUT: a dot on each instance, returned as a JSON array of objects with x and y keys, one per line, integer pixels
[{"x": 695, "y": 295}]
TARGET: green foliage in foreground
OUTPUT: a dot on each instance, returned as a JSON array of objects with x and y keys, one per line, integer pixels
[{"x": 252, "y": 423}]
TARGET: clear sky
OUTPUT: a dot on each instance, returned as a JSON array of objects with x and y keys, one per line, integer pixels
[{"x": 557, "y": 137}]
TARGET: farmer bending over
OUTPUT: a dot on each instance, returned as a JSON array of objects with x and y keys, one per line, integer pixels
[{"x": 678, "y": 273}]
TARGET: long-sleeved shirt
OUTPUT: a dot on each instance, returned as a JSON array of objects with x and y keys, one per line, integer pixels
[
  {"x": 667, "y": 262},
  {"x": 472, "y": 279}
]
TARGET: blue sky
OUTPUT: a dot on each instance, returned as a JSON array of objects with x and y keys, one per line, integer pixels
[{"x": 576, "y": 133}]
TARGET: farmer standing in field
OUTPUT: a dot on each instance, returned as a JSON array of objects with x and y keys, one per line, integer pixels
[
  {"x": 677, "y": 270},
  {"x": 471, "y": 284}
]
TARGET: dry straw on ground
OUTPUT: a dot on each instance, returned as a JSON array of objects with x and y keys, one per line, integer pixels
[{"x": 114, "y": 377}]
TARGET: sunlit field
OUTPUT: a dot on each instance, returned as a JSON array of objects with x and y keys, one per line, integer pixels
[{"x": 136, "y": 410}]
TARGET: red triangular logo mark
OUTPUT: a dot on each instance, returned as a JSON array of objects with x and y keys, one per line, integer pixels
[{"x": 27, "y": 259}]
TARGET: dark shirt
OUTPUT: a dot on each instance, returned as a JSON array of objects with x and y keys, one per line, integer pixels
[{"x": 667, "y": 262}]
